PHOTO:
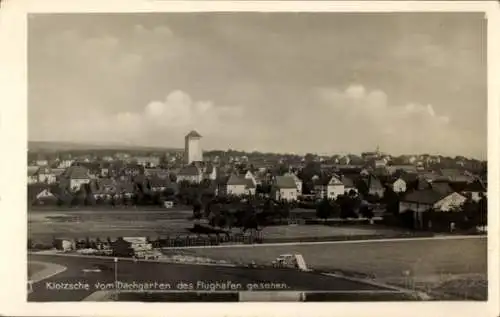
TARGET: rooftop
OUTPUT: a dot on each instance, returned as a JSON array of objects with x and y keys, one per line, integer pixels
[
  {"x": 193, "y": 134},
  {"x": 285, "y": 182}
]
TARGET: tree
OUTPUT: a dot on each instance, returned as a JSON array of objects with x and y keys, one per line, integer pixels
[
  {"x": 348, "y": 207},
  {"x": 197, "y": 209},
  {"x": 324, "y": 209}
]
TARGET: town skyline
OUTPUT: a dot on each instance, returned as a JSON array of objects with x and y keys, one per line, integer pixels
[
  {"x": 340, "y": 85},
  {"x": 48, "y": 146}
]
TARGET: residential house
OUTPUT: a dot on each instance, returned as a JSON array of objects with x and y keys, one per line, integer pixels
[
  {"x": 210, "y": 172},
  {"x": 407, "y": 168},
  {"x": 125, "y": 189},
  {"x": 32, "y": 174},
  {"x": 284, "y": 188},
  {"x": 158, "y": 184},
  {"x": 371, "y": 185},
  {"x": 75, "y": 176},
  {"x": 105, "y": 169},
  {"x": 476, "y": 189},
  {"x": 45, "y": 175},
  {"x": 420, "y": 201},
  {"x": 344, "y": 160},
  {"x": 365, "y": 172},
  {"x": 455, "y": 175},
  {"x": 157, "y": 172},
  {"x": 131, "y": 170},
  {"x": 249, "y": 175},
  {"x": 147, "y": 161},
  {"x": 93, "y": 168},
  {"x": 236, "y": 185},
  {"x": 131, "y": 247},
  {"x": 65, "y": 164},
  {"x": 64, "y": 244},
  {"x": 329, "y": 186},
  {"x": 398, "y": 185},
  {"x": 442, "y": 186},
  {"x": 40, "y": 194},
  {"x": 104, "y": 189},
  {"x": 191, "y": 174},
  {"x": 428, "y": 176},
  {"x": 379, "y": 163}
]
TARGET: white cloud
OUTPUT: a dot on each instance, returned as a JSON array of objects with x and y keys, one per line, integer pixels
[
  {"x": 366, "y": 116},
  {"x": 160, "y": 123}
]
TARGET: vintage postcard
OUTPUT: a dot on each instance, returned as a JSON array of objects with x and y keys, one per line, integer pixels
[{"x": 251, "y": 152}]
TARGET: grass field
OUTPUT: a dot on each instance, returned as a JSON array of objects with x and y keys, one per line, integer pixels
[
  {"x": 44, "y": 225},
  {"x": 458, "y": 265},
  {"x": 34, "y": 268}
]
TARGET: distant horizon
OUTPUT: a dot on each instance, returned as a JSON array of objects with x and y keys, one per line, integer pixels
[
  {"x": 276, "y": 82},
  {"x": 102, "y": 146}
]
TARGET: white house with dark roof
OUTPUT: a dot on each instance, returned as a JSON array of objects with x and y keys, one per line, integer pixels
[
  {"x": 193, "y": 150},
  {"x": 330, "y": 187},
  {"x": 285, "y": 188},
  {"x": 236, "y": 185},
  {"x": 76, "y": 176},
  {"x": 420, "y": 201},
  {"x": 191, "y": 174}
]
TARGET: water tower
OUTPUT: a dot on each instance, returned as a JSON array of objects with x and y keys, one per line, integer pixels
[{"x": 193, "y": 151}]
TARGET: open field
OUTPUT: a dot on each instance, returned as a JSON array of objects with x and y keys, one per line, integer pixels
[
  {"x": 44, "y": 225},
  {"x": 34, "y": 268},
  {"x": 447, "y": 265}
]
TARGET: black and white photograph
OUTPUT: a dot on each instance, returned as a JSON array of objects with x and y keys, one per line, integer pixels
[{"x": 257, "y": 156}]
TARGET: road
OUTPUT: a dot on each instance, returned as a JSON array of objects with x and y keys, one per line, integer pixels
[{"x": 174, "y": 274}]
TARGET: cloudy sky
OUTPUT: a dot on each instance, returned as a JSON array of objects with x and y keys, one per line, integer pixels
[{"x": 281, "y": 82}]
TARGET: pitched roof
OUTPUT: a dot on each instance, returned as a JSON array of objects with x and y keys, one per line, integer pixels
[
  {"x": 348, "y": 182},
  {"x": 193, "y": 134},
  {"x": 406, "y": 167},
  {"x": 285, "y": 182},
  {"x": 32, "y": 170},
  {"x": 125, "y": 187},
  {"x": 476, "y": 186},
  {"x": 236, "y": 180},
  {"x": 189, "y": 170},
  {"x": 58, "y": 171},
  {"x": 334, "y": 180},
  {"x": 249, "y": 183},
  {"x": 292, "y": 175},
  {"x": 441, "y": 187},
  {"x": 425, "y": 196},
  {"x": 156, "y": 181},
  {"x": 372, "y": 182},
  {"x": 428, "y": 176},
  {"x": 76, "y": 172}
]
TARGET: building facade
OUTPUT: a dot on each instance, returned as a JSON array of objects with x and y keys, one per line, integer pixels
[{"x": 193, "y": 150}]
